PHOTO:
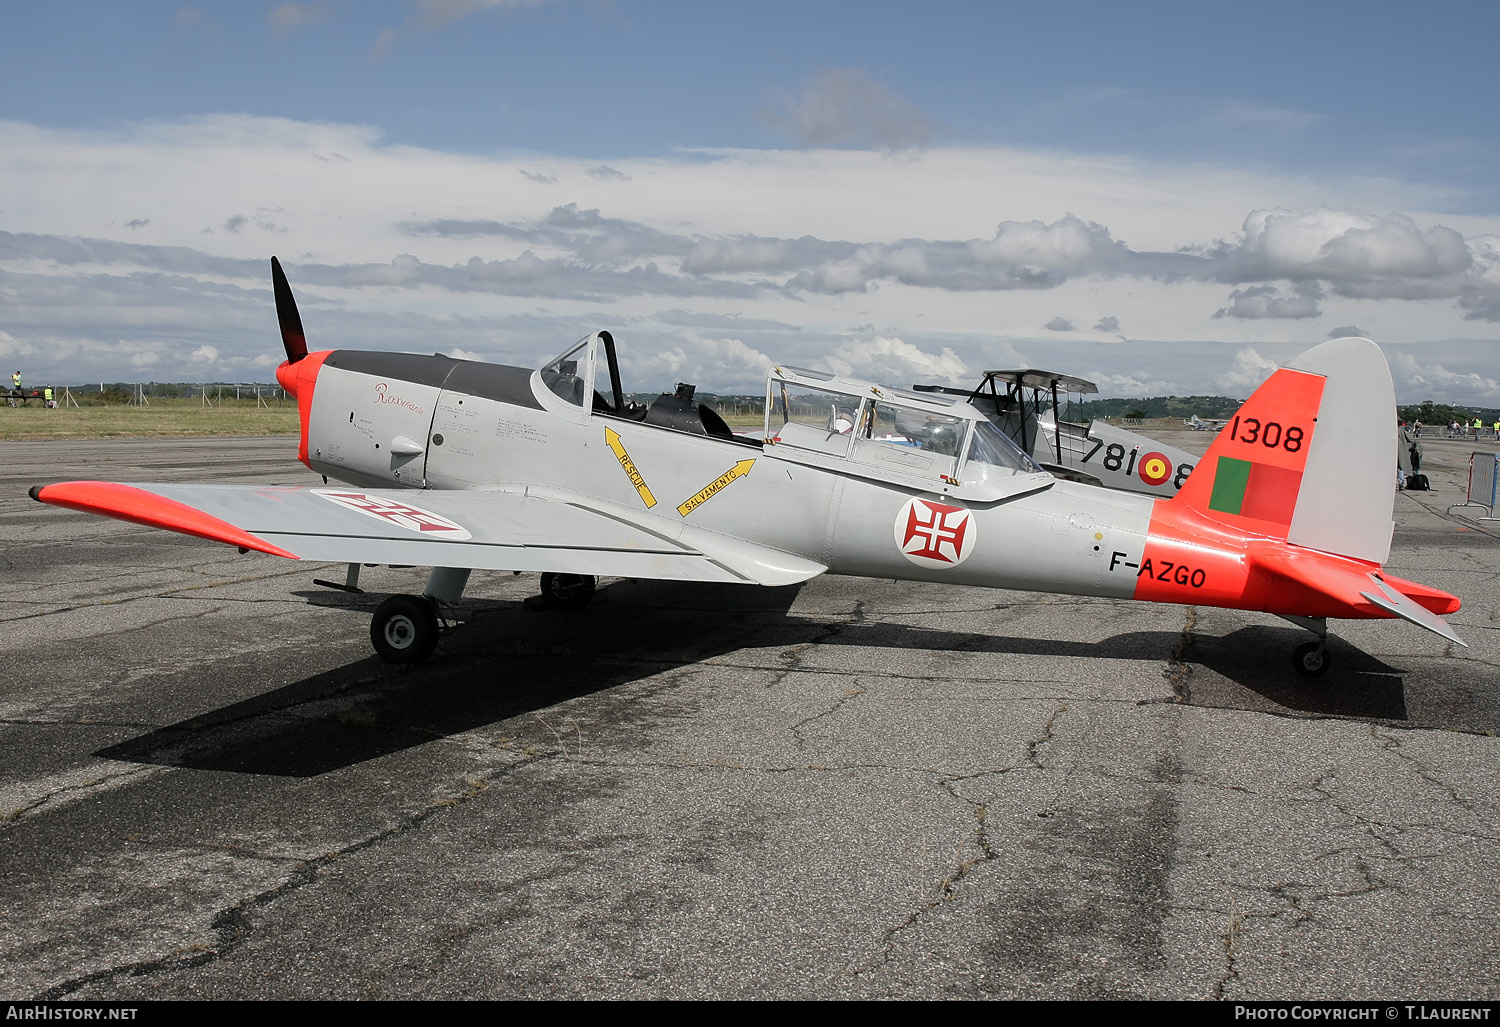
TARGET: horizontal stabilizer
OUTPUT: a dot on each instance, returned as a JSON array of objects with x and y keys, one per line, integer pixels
[
  {"x": 1353, "y": 585},
  {"x": 1387, "y": 598}
]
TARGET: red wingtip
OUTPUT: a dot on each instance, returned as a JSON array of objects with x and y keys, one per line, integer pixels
[{"x": 128, "y": 503}]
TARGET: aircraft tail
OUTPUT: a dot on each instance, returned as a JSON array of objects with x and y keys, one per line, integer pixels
[
  {"x": 1310, "y": 457},
  {"x": 1306, "y": 470}
]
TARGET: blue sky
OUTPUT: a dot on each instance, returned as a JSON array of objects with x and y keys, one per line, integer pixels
[{"x": 1167, "y": 197}]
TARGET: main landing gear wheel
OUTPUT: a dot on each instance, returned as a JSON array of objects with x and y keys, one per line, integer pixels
[
  {"x": 568, "y": 591},
  {"x": 1312, "y": 659},
  {"x": 405, "y": 629}
]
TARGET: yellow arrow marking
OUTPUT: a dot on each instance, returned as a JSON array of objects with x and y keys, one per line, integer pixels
[
  {"x": 612, "y": 439},
  {"x": 739, "y": 470}
]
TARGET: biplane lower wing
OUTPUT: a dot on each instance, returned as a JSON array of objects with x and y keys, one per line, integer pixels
[{"x": 521, "y": 530}]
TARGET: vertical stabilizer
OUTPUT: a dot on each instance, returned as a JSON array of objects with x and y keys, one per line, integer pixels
[{"x": 1310, "y": 458}]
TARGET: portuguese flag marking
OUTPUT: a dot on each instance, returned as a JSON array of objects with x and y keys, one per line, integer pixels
[{"x": 1261, "y": 491}]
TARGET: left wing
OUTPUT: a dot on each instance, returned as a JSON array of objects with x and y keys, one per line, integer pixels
[{"x": 526, "y": 530}]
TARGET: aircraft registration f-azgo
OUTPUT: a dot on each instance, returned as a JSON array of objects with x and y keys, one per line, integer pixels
[{"x": 460, "y": 465}]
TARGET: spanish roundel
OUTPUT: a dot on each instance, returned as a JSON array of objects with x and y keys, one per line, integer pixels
[{"x": 1154, "y": 468}]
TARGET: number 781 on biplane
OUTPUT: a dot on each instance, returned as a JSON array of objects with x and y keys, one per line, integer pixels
[{"x": 460, "y": 465}]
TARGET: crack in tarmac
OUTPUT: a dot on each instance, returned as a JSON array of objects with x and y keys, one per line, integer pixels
[
  {"x": 71, "y": 792},
  {"x": 232, "y": 925}
]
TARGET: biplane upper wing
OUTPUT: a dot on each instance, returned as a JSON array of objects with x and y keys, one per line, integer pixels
[{"x": 528, "y": 529}]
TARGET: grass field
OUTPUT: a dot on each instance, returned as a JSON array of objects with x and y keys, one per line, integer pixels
[{"x": 163, "y": 417}]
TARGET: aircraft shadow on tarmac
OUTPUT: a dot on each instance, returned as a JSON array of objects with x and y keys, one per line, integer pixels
[{"x": 503, "y": 663}]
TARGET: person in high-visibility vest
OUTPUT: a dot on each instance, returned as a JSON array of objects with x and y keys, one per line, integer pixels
[{"x": 47, "y": 400}]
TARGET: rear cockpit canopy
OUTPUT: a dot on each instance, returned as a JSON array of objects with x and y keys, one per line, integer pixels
[{"x": 899, "y": 434}]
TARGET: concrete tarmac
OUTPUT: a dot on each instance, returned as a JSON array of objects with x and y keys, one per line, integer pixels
[{"x": 211, "y": 788}]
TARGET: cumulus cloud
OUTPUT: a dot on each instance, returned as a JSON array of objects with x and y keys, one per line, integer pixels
[
  {"x": 1247, "y": 371},
  {"x": 1130, "y": 385},
  {"x": 894, "y": 361},
  {"x": 1059, "y": 324},
  {"x": 1068, "y": 245},
  {"x": 11, "y": 347},
  {"x": 1267, "y": 301},
  {"x": 1437, "y": 380},
  {"x": 846, "y": 107},
  {"x": 542, "y": 177},
  {"x": 588, "y": 235},
  {"x": 1286, "y": 262},
  {"x": 780, "y": 250},
  {"x": 205, "y": 354},
  {"x": 1107, "y": 324},
  {"x": 1346, "y": 332},
  {"x": 722, "y": 364},
  {"x": 1021, "y": 255},
  {"x": 1482, "y": 307},
  {"x": 1356, "y": 254}
]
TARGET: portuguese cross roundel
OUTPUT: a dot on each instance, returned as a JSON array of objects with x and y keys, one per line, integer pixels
[
  {"x": 404, "y": 515},
  {"x": 933, "y": 534}
]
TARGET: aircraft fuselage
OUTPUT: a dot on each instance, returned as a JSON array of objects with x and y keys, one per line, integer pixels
[{"x": 382, "y": 419}]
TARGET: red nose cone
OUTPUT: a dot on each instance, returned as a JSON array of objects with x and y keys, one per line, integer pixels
[
  {"x": 287, "y": 377},
  {"x": 299, "y": 378}
]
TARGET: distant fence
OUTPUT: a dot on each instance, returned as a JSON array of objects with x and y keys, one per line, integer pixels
[{"x": 143, "y": 393}]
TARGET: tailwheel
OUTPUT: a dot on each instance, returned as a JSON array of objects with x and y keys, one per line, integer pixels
[
  {"x": 1312, "y": 659},
  {"x": 568, "y": 591},
  {"x": 405, "y": 629}
]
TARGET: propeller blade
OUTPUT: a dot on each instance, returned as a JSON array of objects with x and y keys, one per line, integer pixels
[{"x": 286, "y": 314}]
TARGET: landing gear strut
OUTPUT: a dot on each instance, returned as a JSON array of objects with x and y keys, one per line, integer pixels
[
  {"x": 1311, "y": 659},
  {"x": 568, "y": 591},
  {"x": 404, "y": 629}
]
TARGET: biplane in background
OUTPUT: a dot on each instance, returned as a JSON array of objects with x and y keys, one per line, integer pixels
[{"x": 1027, "y": 404}]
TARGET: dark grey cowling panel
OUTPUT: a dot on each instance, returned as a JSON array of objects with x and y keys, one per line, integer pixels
[{"x": 472, "y": 377}]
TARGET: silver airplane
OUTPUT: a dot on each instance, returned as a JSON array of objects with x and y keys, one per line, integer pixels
[
  {"x": 460, "y": 465},
  {"x": 1195, "y": 424}
]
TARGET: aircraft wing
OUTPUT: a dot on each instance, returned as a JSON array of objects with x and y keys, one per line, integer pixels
[{"x": 524, "y": 530}]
